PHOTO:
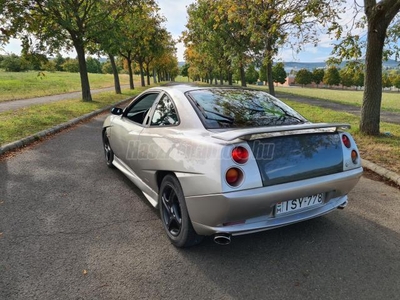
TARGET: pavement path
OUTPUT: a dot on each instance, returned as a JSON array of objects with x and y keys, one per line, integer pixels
[
  {"x": 386, "y": 116},
  {"x": 16, "y": 104},
  {"x": 71, "y": 228}
]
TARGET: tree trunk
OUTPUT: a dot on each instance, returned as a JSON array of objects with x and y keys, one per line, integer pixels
[
  {"x": 242, "y": 75},
  {"x": 221, "y": 79},
  {"x": 117, "y": 84},
  {"x": 131, "y": 85},
  {"x": 143, "y": 83},
  {"x": 148, "y": 74},
  {"x": 372, "y": 98},
  {"x": 230, "y": 78},
  {"x": 154, "y": 76},
  {"x": 271, "y": 87},
  {"x": 80, "y": 51}
]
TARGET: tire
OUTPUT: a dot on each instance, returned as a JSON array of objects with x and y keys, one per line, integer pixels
[
  {"x": 174, "y": 214},
  {"x": 108, "y": 153}
]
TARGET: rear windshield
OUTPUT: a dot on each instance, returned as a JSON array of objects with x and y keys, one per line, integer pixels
[{"x": 240, "y": 108}]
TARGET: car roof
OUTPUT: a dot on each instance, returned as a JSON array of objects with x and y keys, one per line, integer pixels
[{"x": 186, "y": 87}]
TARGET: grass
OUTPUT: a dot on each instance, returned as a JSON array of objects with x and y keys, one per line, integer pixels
[
  {"x": 23, "y": 85},
  {"x": 21, "y": 123},
  {"x": 390, "y": 100},
  {"x": 383, "y": 150}
]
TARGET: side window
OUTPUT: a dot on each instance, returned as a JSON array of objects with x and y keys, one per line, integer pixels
[
  {"x": 138, "y": 111},
  {"x": 165, "y": 113}
]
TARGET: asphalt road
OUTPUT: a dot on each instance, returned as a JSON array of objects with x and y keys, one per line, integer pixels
[{"x": 71, "y": 228}]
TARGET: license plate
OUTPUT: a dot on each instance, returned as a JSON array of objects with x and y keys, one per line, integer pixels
[{"x": 298, "y": 204}]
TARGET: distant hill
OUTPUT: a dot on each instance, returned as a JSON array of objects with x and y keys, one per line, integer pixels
[{"x": 390, "y": 64}]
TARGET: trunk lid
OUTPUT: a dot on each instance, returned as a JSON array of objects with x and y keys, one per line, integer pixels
[{"x": 291, "y": 158}]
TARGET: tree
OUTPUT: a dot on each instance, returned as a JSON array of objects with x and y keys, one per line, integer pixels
[
  {"x": 332, "y": 76},
  {"x": 14, "y": 63},
  {"x": 59, "y": 61},
  {"x": 251, "y": 74},
  {"x": 303, "y": 77},
  {"x": 346, "y": 77},
  {"x": 185, "y": 70},
  {"x": 271, "y": 24},
  {"x": 318, "y": 76},
  {"x": 278, "y": 73},
  {"x": 263, "y": 73},
  {"x": 60, "y": 24},
  {"x": 377, "y": 18},
  {"x": 359, "y": 79},
  {"x": 386, "y": 82},
  {"x": 106, "y": 68},
  {"x": 396, "y": 82},
  {"x": 71, "y": 65},
  {"x": 93, "y": 65},
  {"x": 218, "y": 41}
]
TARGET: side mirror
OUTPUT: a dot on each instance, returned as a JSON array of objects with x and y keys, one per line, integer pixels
[{"x": 116, "y": 111}]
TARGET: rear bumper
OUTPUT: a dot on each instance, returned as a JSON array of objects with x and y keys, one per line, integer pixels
[{"x": 255, "y": 207}]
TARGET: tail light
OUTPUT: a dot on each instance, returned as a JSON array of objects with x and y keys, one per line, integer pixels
[
  {"x": 354, "y": 156},
  {"x": 346, "y": 141},
  {"x": 234, "y": 176},
  {"x": 240, "y": 155}
]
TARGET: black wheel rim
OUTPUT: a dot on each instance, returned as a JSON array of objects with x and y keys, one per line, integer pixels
[
  {"x": 171, "y": 211},
  {"x": 107, "y": 150}
]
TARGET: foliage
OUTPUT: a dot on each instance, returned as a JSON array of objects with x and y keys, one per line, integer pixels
[
  {"x": 49, "y": 66},
  {"x": 71, "y": 65},
  {"x": 59, "y": 61},
  {"x": 14, "y": 63},
  {"x": 93, "y": 65},
  {"x": 303, "y": 77},
  {"x": 184, "y": 71},
  {"x": 346, "y": 77},
  {"x": 263, "y": 73},
  {"x": 396, "y": 81},
  {"x": 251, "y": 74},
  {"x": 386, "y": 82},
  {"x": 332, "y": 76},
  {"x": 106, "y": 68},
  {"x": 318, "y": 76},
  {"x": 278, "y": 73}
]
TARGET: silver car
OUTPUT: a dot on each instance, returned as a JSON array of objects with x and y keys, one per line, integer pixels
[{"x": 229, "y": 161}]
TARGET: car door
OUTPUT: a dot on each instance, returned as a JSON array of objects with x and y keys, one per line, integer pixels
[
  {"x": 156, "y": 140},
  {"x": 126, "y": 129}
]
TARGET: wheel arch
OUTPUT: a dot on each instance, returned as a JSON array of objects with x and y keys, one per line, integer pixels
[{"x": 160, "y": 175}]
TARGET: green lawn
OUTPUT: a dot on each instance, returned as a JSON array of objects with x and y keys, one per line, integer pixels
[
  {"x": 21, "y": 123},
  {"x": 23, "y": 85},
  {"x": 390, "y": 100}
]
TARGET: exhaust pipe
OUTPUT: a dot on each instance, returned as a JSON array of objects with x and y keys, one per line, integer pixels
[
  {"x": 222, "y": 239},
  {"x": 343, "y": 205}
]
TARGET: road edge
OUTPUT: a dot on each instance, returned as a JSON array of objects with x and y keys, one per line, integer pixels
[
  {"x": 381, "y": 171},
  {"x": 41, "y": 134}
]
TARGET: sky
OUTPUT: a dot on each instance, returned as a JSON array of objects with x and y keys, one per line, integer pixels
[{"x": 175, "y": 13}]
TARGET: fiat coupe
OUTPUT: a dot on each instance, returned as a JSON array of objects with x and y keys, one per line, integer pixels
[{"x": 223, "y": 161}]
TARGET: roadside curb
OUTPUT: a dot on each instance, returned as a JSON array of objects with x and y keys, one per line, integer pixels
[
  {"x": 381, "y": 171},
  {"x": 41, "y": 134}
]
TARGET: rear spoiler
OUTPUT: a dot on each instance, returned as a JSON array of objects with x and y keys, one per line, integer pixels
[{"x": 247, "y": 133}]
